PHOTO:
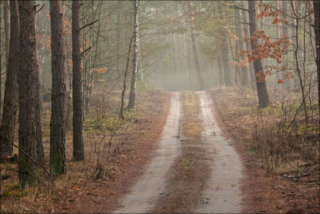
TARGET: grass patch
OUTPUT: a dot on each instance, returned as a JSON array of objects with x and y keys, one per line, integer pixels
[{"x": 191, "y": 126}]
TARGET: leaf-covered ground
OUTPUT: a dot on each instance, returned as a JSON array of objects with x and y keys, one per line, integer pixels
[
  {"x": 270, "y": 186},
  {"x": 116, "y": 153}
]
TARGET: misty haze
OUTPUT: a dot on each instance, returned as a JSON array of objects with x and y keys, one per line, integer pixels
[{"x": 143, "y": 106}]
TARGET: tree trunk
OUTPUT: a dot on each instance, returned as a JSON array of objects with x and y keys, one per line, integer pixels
[
  {"x": 284, "y": 33},
  {"x": 0, "y": 67},
  {"x": 237, "y": 74},
  {"x": 10, "y": 103},
  {"x": 278, "y": 34},
  {"x": 248, "y": 45},
  {"x": 58, "y": 95},
  {"x": 132, "y": 96},
  {"x": 261, "y": 85},
  {"x": 118, "y": 39},
  {"x": 225, "y": 53},
  {"x": 40, "y": 151},
  {"x": 195, "y": 51},
  {"x": 293, "y": 37},
  {"x": 221, "y": 77},
  {"x": 28, "y": 95},
  {"x": 316, "y": 4},
  {"x": 173, "y": 48},
  {"x": 6, "y": 15},
  {"x": 78, "y": 149},
  {"x": 244, "y": 69},
  {"x": 261, "y": 27},
  {"x": 180, "y": 56}
]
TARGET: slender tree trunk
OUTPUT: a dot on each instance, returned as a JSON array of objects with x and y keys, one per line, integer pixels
[
  {"x": 293, "y": 36},
  {"x": 195, "y": 51},
  {"x": 173, "y": 49},
  {"x": 244, "y": 69},
  {"x": 299, "y": 44},
  {"x": 121, "y": 116},
  {"x": 278, "y": 34},
  {"x": 187, "y": 55},
  {"x": 237, "y": 74},
  {"x": 285, "y": 34},
  {"x": 58, "y": 96},
  {"x": 0, "y": 66},
  {"x": 10, "y": 103},
  {"x": 6, "y": 15},
  {"x": 78, "y": 148},
  {"x": 132, "y": 96},
  {"x": 261, "y": 85},
  {"x": 261, "y": 27},
  {"x": 40, "y": 151},
  {"x": 220, "y": 67},
  {"x": 140, "y": 75},
  {"x": 316, "y": 4},
  {"x": 68, "y": 120},
  {"x": 180, "y": 56},
  {"x": 118, "y": 40},
  {"x": 28, "y": 95},
  {"x": 248, "y": 45},
  {"x": 225, "y": 53}
]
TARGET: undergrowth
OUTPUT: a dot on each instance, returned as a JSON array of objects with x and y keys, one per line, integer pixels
[{"x": 276, "y": 135}]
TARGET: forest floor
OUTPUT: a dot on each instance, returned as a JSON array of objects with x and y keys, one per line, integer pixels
[
  {"x": 180, "y": 152},
  {"x": 293, "y": 186}
]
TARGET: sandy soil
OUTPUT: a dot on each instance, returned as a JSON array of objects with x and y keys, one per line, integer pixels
[
  {"x": 220, "y": 192},
  {"x": 147, "y": 191}
]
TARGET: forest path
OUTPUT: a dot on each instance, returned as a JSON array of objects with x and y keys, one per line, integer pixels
[
  {"x": 146, "y": 192},
  {"x": 223, "y": 188},
  {"x": 218, "y": 191}
]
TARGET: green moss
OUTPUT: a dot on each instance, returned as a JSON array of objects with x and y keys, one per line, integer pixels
[
  {"x": 14, "y": 186},
  {"x": 252, "y": 152},
  {"x": 6, "y": 194},
  {"x": 20, "y": 194}
]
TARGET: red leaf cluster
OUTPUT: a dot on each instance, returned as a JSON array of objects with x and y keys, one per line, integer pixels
[
  {"x": 266, "y": 49},
  {"x": 266, "y": 11}
]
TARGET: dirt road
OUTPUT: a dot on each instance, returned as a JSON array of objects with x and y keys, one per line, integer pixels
[
  {"x": 221, "y": 192},
  {"x": 146, "y": 192}
]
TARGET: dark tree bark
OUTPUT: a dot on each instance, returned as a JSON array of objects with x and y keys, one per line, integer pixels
[
  {"x": 261, "y": 85},
  {"x": 195, "y": 51},
  {"x": 40, "y": 151},
  {"x": 10, "y": 103},
  {"x": 248, "y": 45},
  {"x": 132, "y": 96},
  {"x": 78, "y": 149},
  {"x": 58, "y": 96},
  {"x": 316, "y": 4},
  {"x": 28, "y": 95},
  {"x": 6, "y": 15},
  {"x": 0, "y": 64}
]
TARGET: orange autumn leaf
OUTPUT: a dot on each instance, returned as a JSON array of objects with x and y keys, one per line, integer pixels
[{"x": 280, "y": 81}]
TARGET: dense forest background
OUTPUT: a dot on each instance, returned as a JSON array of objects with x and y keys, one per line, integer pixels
[{"x": 72, "y": 69}]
